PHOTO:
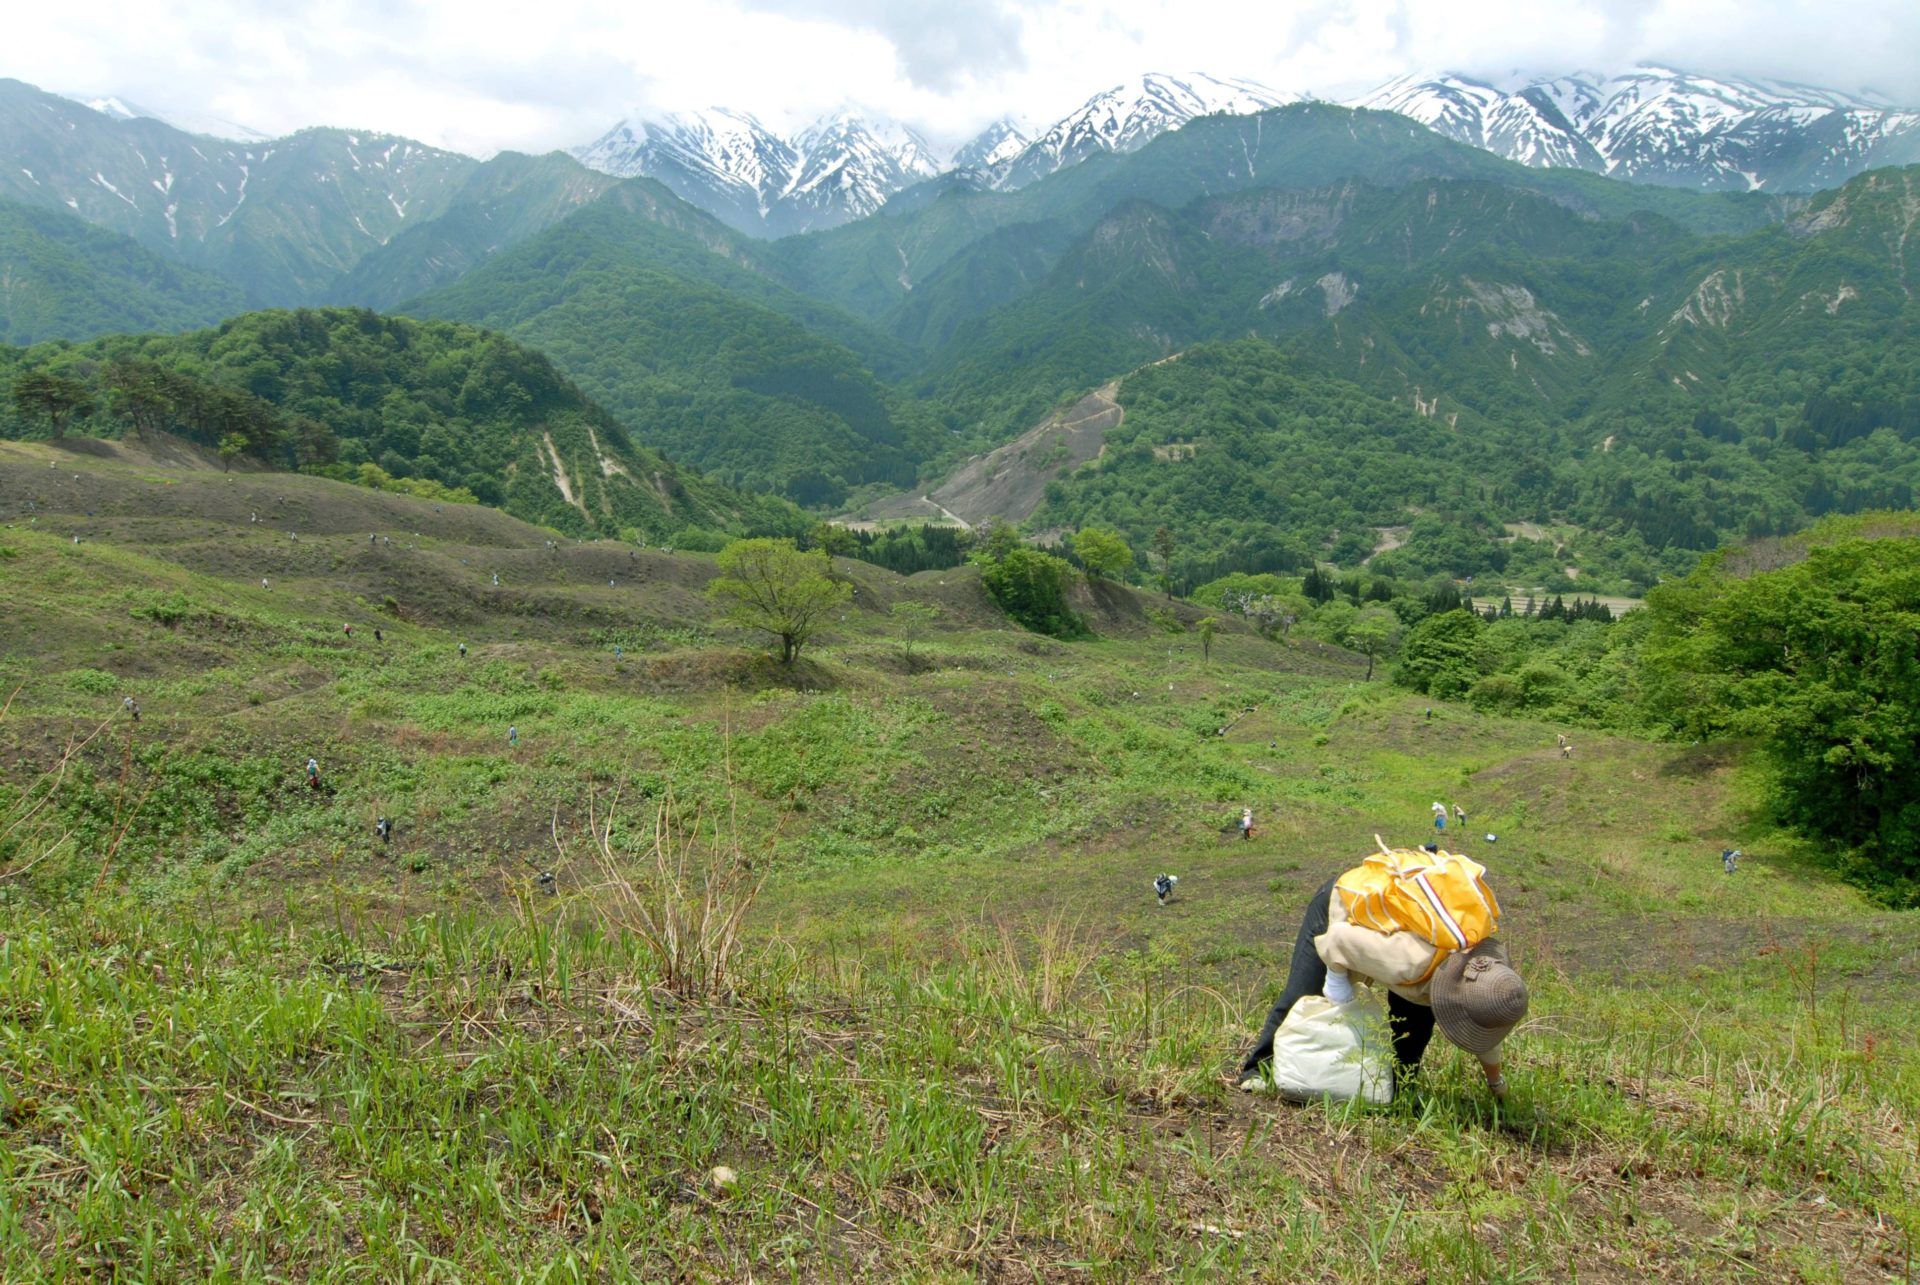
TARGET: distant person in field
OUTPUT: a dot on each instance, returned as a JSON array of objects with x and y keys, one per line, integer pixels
[
  {"x": 463, "y": 651},
  {"x": 384, "y": 828},
  {"x": 377, "y": 635},
  {"x": 1376, "y": 925},
  {"x": 1566, "y": 749},
  {"x": 1730, "y": 859},
  {"x": 349, "y": 630},
  {"x": 1163, "y": 887},
  {"x": 313, "y": 774},
  {"x": 513, "y": 737},
  {"x": 133, "y": 708},
  {"x": 1439, "y": 817},
  {"x": 1460, "y": 816},
  {"x": 1246, "y": 823}
]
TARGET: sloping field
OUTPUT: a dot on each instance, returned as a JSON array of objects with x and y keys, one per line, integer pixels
[{"x": 955, "y": 1038}]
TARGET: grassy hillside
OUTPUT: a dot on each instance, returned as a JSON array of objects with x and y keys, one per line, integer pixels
[{"x": 247, "y": 1039}]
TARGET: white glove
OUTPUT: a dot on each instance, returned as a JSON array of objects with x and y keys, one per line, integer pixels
[{"x": 1338, "y": 988}]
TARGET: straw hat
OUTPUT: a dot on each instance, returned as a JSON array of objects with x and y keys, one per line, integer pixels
[{"x": 1477, "y": 998}]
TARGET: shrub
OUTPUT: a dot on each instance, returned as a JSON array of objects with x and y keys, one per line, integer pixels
[{"x": 1031, "y": 587}]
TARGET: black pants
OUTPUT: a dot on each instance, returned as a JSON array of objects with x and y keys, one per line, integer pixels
[{"x": 1410, "y": 1023}]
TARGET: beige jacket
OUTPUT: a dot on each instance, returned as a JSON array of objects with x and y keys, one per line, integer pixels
[{"x": 1402, "y": 962}]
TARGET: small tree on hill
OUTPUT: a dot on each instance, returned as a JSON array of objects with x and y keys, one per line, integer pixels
[
  {"x": 1163, "y": 546},
  {"x": 43, "y": 395},
  {"x": 914, "y": 620},
  {"x": 1102, "y": 552},
  {"x": 1374, "y": 631},
  {"x": 1207, "y": 628},
  {"x": 1031, "y": 587},
  {"x": 232, "y": 447},
  {"x": 770, "y": 586}
]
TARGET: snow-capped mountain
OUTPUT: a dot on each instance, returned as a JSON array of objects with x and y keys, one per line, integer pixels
[
  {"x": 848, "y": 166},
  {"x": 117, "y": 108},
  {"x": 1128, "y": 117},
  {"x": 845, "y": 166},
  {"x": 841, "y": 167},
  {"x": 1657, "y": 125},
  {"x": 725, "y": 162},
  {"x": 993, "y": 146}
]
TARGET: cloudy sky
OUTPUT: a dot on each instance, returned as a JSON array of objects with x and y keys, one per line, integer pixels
[{"x": 480, "y": 75}]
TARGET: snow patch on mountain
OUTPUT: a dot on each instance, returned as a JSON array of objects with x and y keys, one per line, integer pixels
[{"x": 1660, "y": 125}]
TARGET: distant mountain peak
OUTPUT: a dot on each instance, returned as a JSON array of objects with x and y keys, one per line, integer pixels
[
  {"x": 115, "y": 107},
  {"x": 1129, "y": 116},
  {"x": 998, "y": 142},
  {"x": 840, "y": 167}
]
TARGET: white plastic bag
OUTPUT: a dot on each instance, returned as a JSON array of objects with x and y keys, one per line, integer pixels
[{"x": 1334, "y": 1051}]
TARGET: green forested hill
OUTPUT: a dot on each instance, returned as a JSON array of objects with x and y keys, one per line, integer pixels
[
  {"x": 671, "y": 326},
  {"x": 1626, "y": 375},
  {"x": 1255, "y": 461},
  {"x": 342, "y": 390},
  {"x": 871, "y": 266},
  {"x": 63, "y": 278},
  {"x": 506, "y": 200}
]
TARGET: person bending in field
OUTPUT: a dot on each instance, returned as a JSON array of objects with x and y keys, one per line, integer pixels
[
  {"x": 1246, "y": 823},
  {"x": 313, "y": 774},
  {"x": 1367, "y": 927}
]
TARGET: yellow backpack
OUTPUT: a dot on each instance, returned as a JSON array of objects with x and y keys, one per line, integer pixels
[{"x": 1440, "y": 897}]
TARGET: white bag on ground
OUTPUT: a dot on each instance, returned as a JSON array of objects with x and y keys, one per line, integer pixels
[{"x": 1335, "y": 1051}]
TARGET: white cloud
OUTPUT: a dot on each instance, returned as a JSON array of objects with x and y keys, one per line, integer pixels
[{"x": 477, "y": 75}]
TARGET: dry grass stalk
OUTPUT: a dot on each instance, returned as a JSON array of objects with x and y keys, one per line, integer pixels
[
  {"x": 685, "y": 895},
  {"x": 26, "y": 826}
]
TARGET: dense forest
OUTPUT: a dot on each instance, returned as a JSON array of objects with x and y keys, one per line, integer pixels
[{"x": 63, "y": 278}]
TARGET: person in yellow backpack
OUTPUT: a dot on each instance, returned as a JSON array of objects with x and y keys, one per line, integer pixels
[{"x": 1421, "y": 925}]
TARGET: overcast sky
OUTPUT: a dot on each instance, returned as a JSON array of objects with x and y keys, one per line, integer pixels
[{"x": 481, "y": 75}]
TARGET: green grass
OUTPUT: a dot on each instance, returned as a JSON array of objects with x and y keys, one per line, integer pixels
[{"x": 959, "y": 1038}]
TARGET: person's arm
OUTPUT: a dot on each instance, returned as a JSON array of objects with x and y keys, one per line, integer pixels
[{"x": 1496, "y": 1079}]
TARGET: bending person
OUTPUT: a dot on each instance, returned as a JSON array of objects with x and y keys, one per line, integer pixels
[{"x": 1472, "y": 994}]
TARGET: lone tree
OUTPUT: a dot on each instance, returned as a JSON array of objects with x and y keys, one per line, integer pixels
[
  {"x": 41, "y": 394},
  {"x": 1163, "y": 545},
  {"x": 1102, "y": 552},
  {"x": 1374, "y": 631},
  {"x": 914, "y": 619},
  {"x": 771, "y": 586},
  {"x": 1207, "y": 628}
]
